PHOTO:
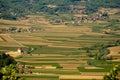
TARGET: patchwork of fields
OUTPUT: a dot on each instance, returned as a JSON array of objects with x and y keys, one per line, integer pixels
[{"x": 61, "y": 52}]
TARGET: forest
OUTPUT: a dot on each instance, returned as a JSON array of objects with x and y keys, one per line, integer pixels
[{"x": 14, "y": 9}]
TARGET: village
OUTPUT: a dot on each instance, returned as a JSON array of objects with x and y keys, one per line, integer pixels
[
  {"x": 19, "y": 30},
  {"x": 98, "y": 16}
]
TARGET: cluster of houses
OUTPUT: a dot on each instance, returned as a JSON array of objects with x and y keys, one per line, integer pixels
[
  {"x": 88, "y": 19},
  {"x": 21, "y": 68},
  {"x": 82, "y": 19},
  {"x": 19, "y": 29}
]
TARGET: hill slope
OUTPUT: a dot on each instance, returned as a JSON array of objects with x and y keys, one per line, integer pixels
[{"x": 13, "y": 9}]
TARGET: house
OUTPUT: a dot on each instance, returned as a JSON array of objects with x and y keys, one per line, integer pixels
[{"x": 20, "y": 50}]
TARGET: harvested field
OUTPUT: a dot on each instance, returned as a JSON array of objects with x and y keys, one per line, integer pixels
[
  {"x": 80, "y": 77},
  {"x": 92, "y": 67},
  {"x": 115, "y": 53},
  {"x": 1, "y": 39},
  {"x": 45, "y": 67},
  {"x": 114, "y": 50},
  {"x": 116, "y": 60},
  {"x": 13, "y": 54},
  {"x": 68, "y": 29},
  {"x": 47, "y": 55},
  {"x": 69, "y": 66},
  {"x": 9, "y": 42},
  {"x": 93, "y": 73},
  {"x": 109, "y": 10}
]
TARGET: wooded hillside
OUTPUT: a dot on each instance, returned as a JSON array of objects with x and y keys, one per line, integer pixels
[{"x": 13, "y": 9}]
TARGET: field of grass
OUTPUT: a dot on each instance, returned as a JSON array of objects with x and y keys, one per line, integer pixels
[{"x": 32, "y": 77}]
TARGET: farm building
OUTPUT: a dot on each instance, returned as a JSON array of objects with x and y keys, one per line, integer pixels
[{"x": 20, "y": 50}]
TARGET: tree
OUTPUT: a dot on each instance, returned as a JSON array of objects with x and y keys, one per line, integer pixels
[
  {"x": 5, "y": 59},
  {"x": 113, "y": 74},
  {"x": 9, "y": 73},
  {"x": 1, "y": 76},
  {"x": 8, "y": 68}
]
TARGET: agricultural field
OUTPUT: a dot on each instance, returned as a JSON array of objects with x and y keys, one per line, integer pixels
[
  {"x": 6, "y": 41},
  {"x": 61, "y": 52}
]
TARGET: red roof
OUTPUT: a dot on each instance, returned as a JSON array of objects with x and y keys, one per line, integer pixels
[{"x": 19, "y": 48}]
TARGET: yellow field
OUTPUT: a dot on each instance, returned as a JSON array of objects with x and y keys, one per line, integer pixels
[
  {"x": 115, "y": 53},
  {"x": 13, "y": 54},
  {"x": 9, "y": 42},
  {"x": 1, "y": 40},
  {"x": 80, "y": 77},
  {"x": 114, "y": 50},
  {"x": 109, "y": 10}
]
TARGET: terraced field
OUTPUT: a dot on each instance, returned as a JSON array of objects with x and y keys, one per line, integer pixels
[
  {"x": 61, "y": 52},
  {"x": 7, "y": 41},
  {"x": 63, "y": 38}
]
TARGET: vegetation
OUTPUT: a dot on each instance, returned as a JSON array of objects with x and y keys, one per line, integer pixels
[
  {"x": 6, "y": 60},
  {"x": 40, "y": 77},
  {"x": 94, "y": 5},
  {"x": 13, "y": 9},
  {"x": 82, "y": 69},
  {"x": 8, "y": 68},
  {"x": 83, "y": 45},
  {"x": 9, "y": 73},
  {"x": 113, "y": 74},
  {"x": 99, "y": 57}
]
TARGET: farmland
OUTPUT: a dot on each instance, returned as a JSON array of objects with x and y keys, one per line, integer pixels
[{"x": 62, "y": 52}]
